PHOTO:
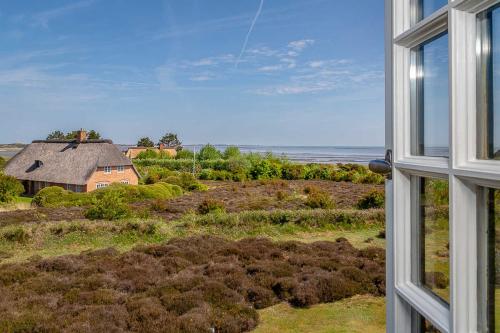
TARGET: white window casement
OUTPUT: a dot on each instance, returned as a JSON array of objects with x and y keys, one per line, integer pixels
[
  {"x": 101, "y": 185},
  {"x": 443, "y": 199},
  {"x": 120, "y": 169},
  {"x": 107, "y": 170},
  {"x": 124, "y": 181}
]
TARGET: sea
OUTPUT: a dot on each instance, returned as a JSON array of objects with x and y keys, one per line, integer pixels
[{"x": 302, "y": 154}]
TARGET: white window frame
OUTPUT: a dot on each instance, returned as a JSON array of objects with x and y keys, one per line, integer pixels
[
  {"x": 464, "y": 171},
  {"x": 101, "y": 185},
  {"x": 108, "y": 170},
  {"x": 124, "y": 181},
  {"x": 120, "y": 169}
]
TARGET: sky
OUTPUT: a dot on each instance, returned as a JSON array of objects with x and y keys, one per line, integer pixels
[{"x": 267, "y": 72}]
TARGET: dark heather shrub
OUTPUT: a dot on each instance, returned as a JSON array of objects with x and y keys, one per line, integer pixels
[
  {"x": 195, "y": 284},
  {"x": 293, "y": 171},
  {"x": 373, "y": 199},
  {"x": 10, "y": 188},
  {"x": 211, "y": 206},
  {"x": 18, "y": 235}
]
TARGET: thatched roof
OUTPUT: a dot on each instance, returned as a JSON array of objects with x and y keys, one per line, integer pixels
[{"x": 67, "y": 162}]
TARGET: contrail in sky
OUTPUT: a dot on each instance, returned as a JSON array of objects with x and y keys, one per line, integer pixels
[{"x": 249, "y": 33}]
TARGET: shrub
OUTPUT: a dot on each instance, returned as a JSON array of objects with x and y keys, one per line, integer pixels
[
  {"x": 149, "y": 153},
  {"x": 16, "y": 235},
  {"x": 293, "y": 171},
  {"x": 109, "y": 206},
  {"x": 231, "y": 152},
  {"x": 209, "y": 152},
  {"x": 184, "y": 154},
  {"x": 265, "y": 169},
  {"x": 3, "y": 162},
  {"x": 211, "y": 206},
  {"x": 373, "y": 199},
  {"x": 10, "y": 188},
  {"x": 319, "y": 199}
]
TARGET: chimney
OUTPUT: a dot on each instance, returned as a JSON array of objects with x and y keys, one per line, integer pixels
[
  {"x": 161, "y": 146},
  {"x": 81, "y": 135}
]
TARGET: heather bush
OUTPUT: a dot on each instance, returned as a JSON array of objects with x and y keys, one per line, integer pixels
[
  {"x": 10, "y": 188},
  {"x": 195, "y": 284},
  {"x": 17, "y": 234},
  {"x": 293, "y": 171},
  {"x": 211, "y": 206},
  {"x": 319, "y": 199},
  {"x": 373, "y": 199},
  {"x": 3, "y": 162}
]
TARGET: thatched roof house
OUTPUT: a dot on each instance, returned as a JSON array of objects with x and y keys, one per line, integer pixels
[
  {"x": 79, "y": 165},
  {"x": 133, "y": 152}
]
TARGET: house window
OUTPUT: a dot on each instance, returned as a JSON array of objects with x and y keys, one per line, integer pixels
[
  {"x": 124, "y": 181},
  {"x": 120, "y": 169},
  {"x": 430, "y": 268},
  {"x": 101, "y": 185},
  {"x": 429, "y": 84},
  {"x": 107, "y": 169},
  {"x": 488, "y": 116}
]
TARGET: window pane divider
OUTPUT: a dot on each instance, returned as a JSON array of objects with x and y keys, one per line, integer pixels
[
  {"x": 424, "y": 30},
  {"x": 427, "y": 305}
]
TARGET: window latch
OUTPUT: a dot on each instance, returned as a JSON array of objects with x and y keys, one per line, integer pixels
[{"x": 383, "y": 167}]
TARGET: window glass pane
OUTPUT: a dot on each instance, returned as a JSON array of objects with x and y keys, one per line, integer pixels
[
  {"x": 430, "y": 268},
  {"x": 422, "y": 325},
  {"x": 489, "y": 97},
  {"x": 489, "y": 261},
  {"x": 427, "y": 7},
  {"x": 430, "y": 98}
]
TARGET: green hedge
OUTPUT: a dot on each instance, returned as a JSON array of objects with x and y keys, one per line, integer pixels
[{"x": 58, "y": 197}]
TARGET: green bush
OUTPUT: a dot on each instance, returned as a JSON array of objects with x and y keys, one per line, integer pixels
[
  {"x": 10, "y": 188},
  {"x": 211, "y": 206},
  {"x": 319, "y": 199},
  {"x": 3, "y": 162},
  {"x": 293, "y": 171},
  {"x": 373, "y": 199},
  {"x": 231, "y": 152},
  {"x": 108, "y": 206},
  {"x": 149, "y": 153},
  {"x": 209, "y": 152},
  {"x": 184, "y": 154}
]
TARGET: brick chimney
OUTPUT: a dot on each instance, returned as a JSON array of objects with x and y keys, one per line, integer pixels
[
  {"x": 81, "y": 135},
  {"x": 161, "y": 146}
]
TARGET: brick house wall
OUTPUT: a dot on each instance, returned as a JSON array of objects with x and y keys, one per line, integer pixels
[{"x": 99, "y": 177}]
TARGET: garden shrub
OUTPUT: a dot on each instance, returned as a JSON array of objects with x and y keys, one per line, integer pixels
[
  {"x": 109, "y": 206},
  {"x": 373, "y": 199},
  {"x": 211, "y": 206},
  {"x": 10, "y": 188},
  {"x": 55, "y": 196}
]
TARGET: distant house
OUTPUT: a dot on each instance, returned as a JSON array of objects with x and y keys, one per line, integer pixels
[
  {"x": 132, "y": 152},
  {"x": 79, "y": 165}
]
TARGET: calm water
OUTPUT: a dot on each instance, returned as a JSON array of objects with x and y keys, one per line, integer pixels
[{"x": 313, "y": 154}]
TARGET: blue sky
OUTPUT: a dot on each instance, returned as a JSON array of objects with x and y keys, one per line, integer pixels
[{"x": 311, "y": 72}]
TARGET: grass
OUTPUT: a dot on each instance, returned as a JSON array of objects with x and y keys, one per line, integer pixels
[
  {"x": 18, "y": 203},
  {"x": 357, "y": 314}
]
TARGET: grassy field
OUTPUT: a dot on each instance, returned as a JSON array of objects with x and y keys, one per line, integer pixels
[
  {"x": 359, "y": 314},
  {"x": 274, "y": 210}
]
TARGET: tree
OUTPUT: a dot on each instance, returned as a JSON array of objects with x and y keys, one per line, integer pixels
[
  {"x": 56, "y": 135},
  {"x": 170, "y": 140},
  {"x": 145, "y": 142},
  {"x": 93, "y": 135},
  {"x": 209, "y": 152}
]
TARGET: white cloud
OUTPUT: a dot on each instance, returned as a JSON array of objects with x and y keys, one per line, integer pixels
[
  {"x": 43, "y": 18},
  {"x": 299, "y": 45},
  {"x": 272, "y": 68},
  {"x": 201, "y": 78}
]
